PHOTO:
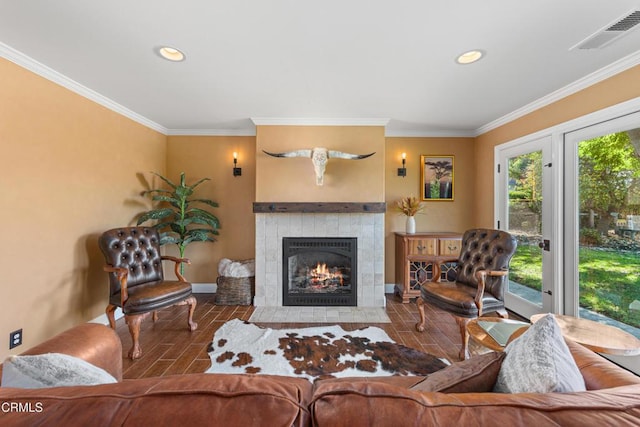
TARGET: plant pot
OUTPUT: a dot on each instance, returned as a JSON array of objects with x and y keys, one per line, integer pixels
[{"x": 410, "y": 225}]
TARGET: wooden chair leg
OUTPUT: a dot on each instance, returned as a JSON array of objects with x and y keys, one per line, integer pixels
[
  {"x": 423, "y": 318},
  {"x": 464, "y": 334},
  {"x": 134, "y": 329},
  {"x": 192, "y": 307},
  {"x": 155, "y": 316},
  {"x": 110, "y": 311}
]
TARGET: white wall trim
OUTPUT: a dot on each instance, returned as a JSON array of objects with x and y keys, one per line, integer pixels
[
  {"x": 102, "y": 319},
  {"x": 408, "y": 133},
  {"x": 604, "y": 73},
  {"x": 42, "y": 70},
  {"x": 204, "y": 288},
  {"x": 293, "y": 121},
  {"x": 213, "y": 132}
]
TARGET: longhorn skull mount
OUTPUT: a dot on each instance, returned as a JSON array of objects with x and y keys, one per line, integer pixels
[{"x": 319, "y": 156}]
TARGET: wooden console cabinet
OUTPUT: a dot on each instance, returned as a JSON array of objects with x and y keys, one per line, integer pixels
[{"x": 415, "y": 256}]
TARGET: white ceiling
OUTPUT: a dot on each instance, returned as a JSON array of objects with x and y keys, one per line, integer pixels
[{"x": 331, "y": 60}]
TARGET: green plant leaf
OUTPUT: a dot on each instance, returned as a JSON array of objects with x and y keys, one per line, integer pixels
[
  {"x": 171, "y": 184},
  {"x": 147, "y": 192},
  {"x": 206, "y": 221},
  {"x": 199, "y": 182},
  {"x": 183, "y": 192},
  {"x": 198, "y": 235},
  {"x": 155, "y": 214},
  {"x": 176, "y": 223},
  {"x": 205, "y": 201},
  {"x": 163, "y": 198},
  {"x": 167, "y": 238},
  {"x": 202, "y": 214}
]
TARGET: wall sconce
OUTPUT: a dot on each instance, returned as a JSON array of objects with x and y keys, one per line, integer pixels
[
  {"x": 403, "y": 170},
  {"x": 236, "y": 170}
]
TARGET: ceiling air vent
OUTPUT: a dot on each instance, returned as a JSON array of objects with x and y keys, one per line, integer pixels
[{"x": 611, "y": 32}]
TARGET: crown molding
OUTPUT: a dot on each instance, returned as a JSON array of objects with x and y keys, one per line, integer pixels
[
  {"x": 212, "y": 132},
  {"x": 42, "y": 70},
  {"x": 604, "y": 73},
  {"x": 408, "y": 133},
  {"x": 284, "y": 121}
]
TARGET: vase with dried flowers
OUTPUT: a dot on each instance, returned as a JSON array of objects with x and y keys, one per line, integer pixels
[{"x": 410, "y": 206}]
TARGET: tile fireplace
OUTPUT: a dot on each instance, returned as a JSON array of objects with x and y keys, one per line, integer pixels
[{"x": 360, "y": 223}]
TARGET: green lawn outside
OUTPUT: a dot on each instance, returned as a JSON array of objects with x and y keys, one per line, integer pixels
[{"x": 609, "y": 280}]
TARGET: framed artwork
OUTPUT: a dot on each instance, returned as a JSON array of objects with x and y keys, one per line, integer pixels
[{"x": 437, "y": 178}]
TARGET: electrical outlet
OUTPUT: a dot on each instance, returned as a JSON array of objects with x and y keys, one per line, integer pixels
[{"x": 15, "y": 338}]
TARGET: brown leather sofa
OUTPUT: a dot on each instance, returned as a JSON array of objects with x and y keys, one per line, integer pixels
[{"x": 613, "y": 397}]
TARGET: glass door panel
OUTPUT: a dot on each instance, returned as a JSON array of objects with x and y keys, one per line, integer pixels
[
  {"x": 524, "y": 205},
  {"x": 608, "y": 238},
  {"x": 525, "y": 223}
]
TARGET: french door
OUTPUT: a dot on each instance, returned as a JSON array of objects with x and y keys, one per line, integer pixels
[
  {"x": 524, "y": 208},
  {"x": 571, "y": 196},
  {"x": 602, "y": 225}
]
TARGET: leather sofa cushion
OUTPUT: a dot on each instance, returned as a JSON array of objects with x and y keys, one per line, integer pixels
[
  {"x": 155, "y": 295},
  {"x": 186, "y": 400},
  {"x": 337, "y": 404},
  {"x": 475, "y": 375}
]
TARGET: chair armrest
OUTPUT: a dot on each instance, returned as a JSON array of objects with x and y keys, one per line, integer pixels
[
  {"x": 482, "y": 282},
  {"x": 122, "y": 274},
  {"x": 177, "y": 262}
]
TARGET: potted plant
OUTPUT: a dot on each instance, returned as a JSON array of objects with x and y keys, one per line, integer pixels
[
  {"x": 410, "y": 206},
  {"x": 178, "y": 221}
]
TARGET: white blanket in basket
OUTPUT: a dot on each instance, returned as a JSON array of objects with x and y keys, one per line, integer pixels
[{"x": 230, "y": 268}]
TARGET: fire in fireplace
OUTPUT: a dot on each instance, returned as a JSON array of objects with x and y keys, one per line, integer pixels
[{"x": 319, "y": 271}]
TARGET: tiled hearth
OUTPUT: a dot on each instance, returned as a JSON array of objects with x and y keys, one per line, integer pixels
[{"x": 367, "y": 227}]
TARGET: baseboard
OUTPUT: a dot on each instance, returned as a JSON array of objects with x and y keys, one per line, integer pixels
[
  {"x": 389, "y": 288},
  {"x": 204, "y": 288},
  {"x": 104, "y": 320}
]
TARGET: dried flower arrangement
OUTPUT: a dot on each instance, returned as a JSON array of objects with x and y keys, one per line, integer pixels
[{"x": 410, "y": 205}]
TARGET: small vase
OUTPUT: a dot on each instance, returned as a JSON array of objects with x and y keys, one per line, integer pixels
[{"x": 411, "y": 225}]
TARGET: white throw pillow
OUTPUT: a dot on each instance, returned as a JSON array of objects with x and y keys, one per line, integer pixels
[
  {"x": 51, "y": 370},
  {"x": 539, "y": 361}
]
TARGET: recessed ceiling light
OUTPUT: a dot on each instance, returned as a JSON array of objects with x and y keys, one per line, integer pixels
[
  {"x": 470, "y": 57},
  {"x": 171, "y": 54}
]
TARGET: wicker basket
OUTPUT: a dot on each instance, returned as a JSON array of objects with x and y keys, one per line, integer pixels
[{"x": 235, "y": 290}]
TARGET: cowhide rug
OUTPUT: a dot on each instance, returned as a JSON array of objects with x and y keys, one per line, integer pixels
[{"x": 312, "y": 353}]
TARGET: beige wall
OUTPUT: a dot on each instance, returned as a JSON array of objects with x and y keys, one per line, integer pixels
[
  {"x": 68, "y": 172},
  {"x": 293, "y": 179},
  {"x": 212, "y": 157},
  {"x": 71, "y": 169},
  {"x": 619, "y": 88},
  {"x": 456, "y": 215}
]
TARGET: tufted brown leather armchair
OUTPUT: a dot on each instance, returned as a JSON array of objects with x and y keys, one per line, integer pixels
[
  {"x": 479, "y": 283},
  {"x": 136, "y": 280}
]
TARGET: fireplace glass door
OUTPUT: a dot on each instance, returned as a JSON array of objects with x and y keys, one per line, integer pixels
[{"x": 319, "y": 271}]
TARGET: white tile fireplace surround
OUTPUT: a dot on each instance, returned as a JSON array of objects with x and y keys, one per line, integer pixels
[{"x": 272, "y": 227}]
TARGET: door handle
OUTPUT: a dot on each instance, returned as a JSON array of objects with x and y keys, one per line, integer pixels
[
  {"x": 548, "y": 292},
  {"x": 545, "y": 245}
]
